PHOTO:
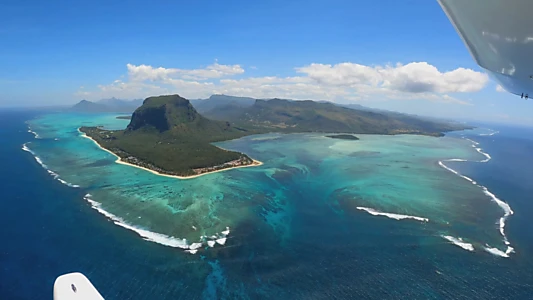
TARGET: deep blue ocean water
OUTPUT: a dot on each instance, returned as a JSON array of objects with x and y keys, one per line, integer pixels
[{"x": 47, "y": 229}]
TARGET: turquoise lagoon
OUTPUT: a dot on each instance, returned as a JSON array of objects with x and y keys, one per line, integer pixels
[{"x": 310, "y": 188}]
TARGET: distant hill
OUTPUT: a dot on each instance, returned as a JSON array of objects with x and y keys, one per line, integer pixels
[
  {"x": 114, "y": 102},
  {"x": 223, "y": 107},
  {"x": 88, "y": 106},
  {"x": 168, "y": 135},
  {"x": 106, "y": 105},
  {"x": 216, "y": 101},
  {"x": 311, "y": 116}
]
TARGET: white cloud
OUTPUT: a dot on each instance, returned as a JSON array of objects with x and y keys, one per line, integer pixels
[
  {"x": 500, "y": 89},
  {"x": 340, "y": 82},
  {"x": 145, "y": 72},
  {"x": 417, "y": 77}
]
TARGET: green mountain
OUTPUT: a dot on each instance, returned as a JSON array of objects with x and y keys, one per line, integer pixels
[
  {"x": 216, "y": 101},
  {"x": 168, "y": 135},
  {"x": 310, "y": 116}
]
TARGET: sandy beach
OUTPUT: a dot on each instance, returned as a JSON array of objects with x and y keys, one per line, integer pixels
[{"x": 119, "y": 161}]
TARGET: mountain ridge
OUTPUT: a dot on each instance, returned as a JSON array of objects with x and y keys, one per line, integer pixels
[
  {"x": 168, "y": 135},
  {"x": 311, "y": 116}
]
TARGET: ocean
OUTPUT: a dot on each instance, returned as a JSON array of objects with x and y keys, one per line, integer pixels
[{"x": 385, "y": 217}]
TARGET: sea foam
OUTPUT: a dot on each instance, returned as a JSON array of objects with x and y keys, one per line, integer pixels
[
  {"x": 507, "y": 212},
  {"x": 195, "y": 246},
  {"x": 459, "y": 242},
  {"x": 455, "y": 172},
  {"x": 391, "y": 215},
  {"x": 145, "y": 234},
  {"x": 225, "y": 232},
  {"x": 221, "y": 241},
  {"x": 498, "y": 252},
  {"x": 485, "y": 154},
  {"x": 37, "y": 158},
  {"x": 158, "y": 237},
  {"x": 34, "y": 133},
  {"x": 472, "y": 141},
  {"x": 52, "y": 173},
  {"x": 489, "y": 134},
  {"x": 502, "y": 204}
]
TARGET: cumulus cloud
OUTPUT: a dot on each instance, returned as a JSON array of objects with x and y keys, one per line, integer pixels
[
  {"x": 340, "y": 82},
  {"x": 417, "y": 77},
  {"x": 145, "y": 72}
]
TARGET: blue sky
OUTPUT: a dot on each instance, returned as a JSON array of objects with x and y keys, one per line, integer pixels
[{"x": 400, "y": 55}]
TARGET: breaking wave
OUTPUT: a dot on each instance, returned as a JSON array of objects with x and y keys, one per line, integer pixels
[
  {"x": 502, "y": 204},
  {"x": 391, "y": 215},
  {"x": 459, "y": 242},
  {"x": 160, "y": 238},
  {"x": 34, "y": 133},
  {"x": 489, "y": 134},
  {"x": 498, "y": 252},
  {"x": 37, "y": 158},
  {"x": 145, "y": 234},
  {"x": 52, "y": 173}
]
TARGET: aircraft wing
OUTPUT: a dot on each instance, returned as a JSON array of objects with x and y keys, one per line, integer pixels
[
  {"x": 75, "y": 286},
  {"x": 499, "y": 35}
]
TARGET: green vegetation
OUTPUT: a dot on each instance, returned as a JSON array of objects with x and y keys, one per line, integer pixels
[
  {"x": 215, "y": 102},
  {"x": 309, "y": 116},
  {"x": 168, "y": 135},
  {"x": 343, "y": 137}
]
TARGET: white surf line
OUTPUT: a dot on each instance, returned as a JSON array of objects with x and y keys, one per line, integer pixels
[
  {"x": 52, "y": 173},
  {"x": 391, "y": 215},
  {"x": 489, "y": 134},
  {"x": 34, "y": 133},
  {"x": 497, "y": 252},
  {"x": 459, "y": 242},
  {"x": 145, "y": 234},
  {"x": 502, "y": 204},
  {"x": 485, "y": 154},
  {"x": 473, "y": 142},
  {"x": 37, "y": 158},
  {"x": 160, "y": 238}
]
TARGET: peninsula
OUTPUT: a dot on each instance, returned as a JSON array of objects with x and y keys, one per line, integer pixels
[{"x": 166, "y": 134}]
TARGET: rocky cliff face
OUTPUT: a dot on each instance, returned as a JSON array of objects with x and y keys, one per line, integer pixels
[{"x": 163, "y": 113}]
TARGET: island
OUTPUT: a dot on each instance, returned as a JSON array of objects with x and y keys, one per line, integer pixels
[
  {"x": 124, "y": 117},
  {"x": 343, "y": 137},
  {"x": 166, "y": 135}
]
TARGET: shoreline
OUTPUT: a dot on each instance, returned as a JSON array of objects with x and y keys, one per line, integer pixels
[{"x": 255, "y": 163}]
